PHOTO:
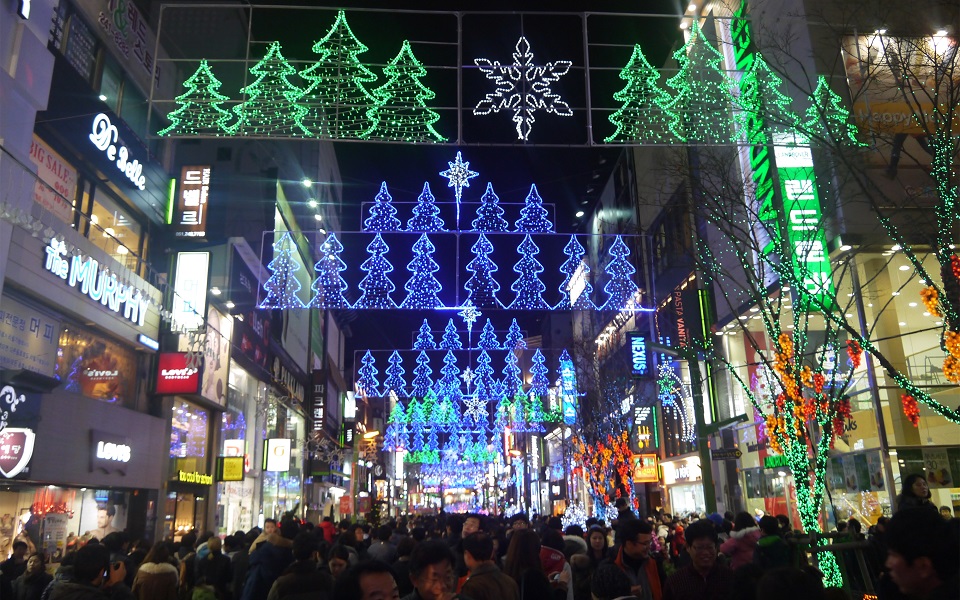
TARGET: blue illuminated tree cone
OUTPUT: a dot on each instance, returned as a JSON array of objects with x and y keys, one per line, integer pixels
[
  {"x": 533, "y": 216},
  {"x": 376, "y": 284},
  {"x": 426, "y": 214},
  {"x": 490, "y": 213},
  {"x": 383, "y": 215},
  {"x": 528, "y": 287},
  {"x": 422, "y": 287}
]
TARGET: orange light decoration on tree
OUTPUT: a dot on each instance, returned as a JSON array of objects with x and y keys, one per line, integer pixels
[
  {"x": 606, "y": 465},
  {"x": 931, "y": 300},
  {"x": 910, "y": 409}
]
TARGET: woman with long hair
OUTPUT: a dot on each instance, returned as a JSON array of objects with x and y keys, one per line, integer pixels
[
  {"x": 597, "y": 546},
  {"x": 157, "y": 578},
  {"x": 915, "y": 493},
  {"x": 523, "y": 565}
]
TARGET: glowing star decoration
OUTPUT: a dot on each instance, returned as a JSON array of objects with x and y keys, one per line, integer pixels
[
  {"x": 199, "y": 111},
  {"x": 458, "y": 177},
  {"x": 271, "y": 107},
  {"x": 467, "y": 376},
  {"x": 282, "y": 286},
  {"x": 523, "y": 88},
  {"x": 533, "y": 216},
  {"x": 329, "y": 286},
  {"x": 401, "y": 113},
  {"x": 489, "y": 213},
  {"x": 337, "y": 97},
  {"x": 528, "y": 287},
  {"x": 426, "y": 214},
  {"x": 382, "y": 212},
  {"x": 641, "y": 118},
  {"x": 422, "y": 287},
  {"x": 673, "y": 399},
  {"x": 469, "y": 314},
  {"x": 482, "y": 288},
  {"x": 620, "y": 288},
  {"x": 376, "y": 285}
]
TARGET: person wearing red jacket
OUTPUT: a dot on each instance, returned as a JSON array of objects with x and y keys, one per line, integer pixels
[{"x": 328, "y": 529}]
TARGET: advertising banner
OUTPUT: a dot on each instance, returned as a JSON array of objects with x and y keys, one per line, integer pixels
[
  {"x": 216, "y": 356},
  {"x": 28, "y": 338},
  {"x": 190, "y": 212},
  {"x": 57, "y": 185},
  {"x": 174, "y": 376}
]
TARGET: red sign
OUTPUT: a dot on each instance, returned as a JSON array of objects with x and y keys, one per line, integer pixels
[
  {"x": 16, "y": 449},
  {"x": 174, "y": 376},
  {"x": 645, "y": 468},
  {"x": 344, "y": 505}
]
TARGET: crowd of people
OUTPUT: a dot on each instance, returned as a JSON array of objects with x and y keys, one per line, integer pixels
[{"x": 477, "y": 557}]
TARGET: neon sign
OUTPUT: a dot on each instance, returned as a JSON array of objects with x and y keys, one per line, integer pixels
[
  {"x": 96, "y": 282},
  {"x": 105, "y": 137}
]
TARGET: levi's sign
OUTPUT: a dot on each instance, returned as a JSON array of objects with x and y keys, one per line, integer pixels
[
  {"x": 110, "y": 452},
  {"x": 95, "y": 282}
]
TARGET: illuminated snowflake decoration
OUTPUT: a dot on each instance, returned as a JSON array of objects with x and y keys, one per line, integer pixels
[
  {"x": 523, "y": 88},
  {"x": 458, "y": 175},
  {"x": 469, "y": 314},
  {"x": 475, "y": 410}
]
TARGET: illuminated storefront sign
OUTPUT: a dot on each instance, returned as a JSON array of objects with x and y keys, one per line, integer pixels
[
  {"x": 194, "y": 477},
  {"x": 109, "y": 452},
  {"x": 190, "y": 216},
  {"x": 230, "y": 468},
  {"x": 16, "y": 450},
  {"x": 105, "y": 137},
  {"x": 639, "y": 356},
  {"x": 190, "y": 290},
  {"x": 174, "y": 376},
  {"x": 682, "y": 471},
  {"x": 276, "y": 455},
  {"x": 95, "y": 282},
  {"x": 775, "y": 461},
  {"x": 645, "y": 468}
]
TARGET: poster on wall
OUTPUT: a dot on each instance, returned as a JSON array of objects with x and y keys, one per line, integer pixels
[
  {"x": 28, "y": 338},
  {"x": 54, "y": 541},
  {"x": 875, "y": 466},
  {"x": 937, "y": 466},
  {"x": 102, "y": 512},
  {"x": 216, "y": 364},
  {"x": 56, "y": 185},
  {"x": 95, "y": 367}
]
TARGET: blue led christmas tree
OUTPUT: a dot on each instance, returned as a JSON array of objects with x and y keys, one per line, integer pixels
[
  {"x": 490, "y": 213},
  {"x": 397, "y": 430},
  {"x": 512, "y": 376},
  {"x": 444, "y": 415},
  {"x": 337, "y": 96},
  {"x": 514, "y": 339},
  {"x": 502, "y": 414},
  {"x": 488, "y": 337},
  {"x": 329, "y": 286},
  {"x": 422, "y": 382},
  {"x": 367, "y": 384},
  {"x": 482, "y": 288},
  {"x": 535, "y": 416},
  {"x": 272, "y": 106},
  {"x": 700, "y": 108},
  {"x": 418, "y": 421},
  {"x": 518, "y": 417},
  {"x": 282, "y": 287},
  {"x": 422, "y": 287},
  {"x": 448, "y": 387},
  {"x": 487, "y": 391},
  {"x": 383, "y": 215},
  {"x": 539, "y": 383},
  {"x": 451, "y": 338},
  {"x": 528, "y": 287},
  {"x": 575, "y": 265},
  {"x": 376, "y": 284},
  {"x": 401, "y": 112},
  {"x": 641, "y": 118},
  {"x": 425, "y": 339},
  {"x": 433, "y": 444},
  {"x": 620, "y": 288},
  {"x": 533, "y": 216},
  {"x": 394, "y": 381},
  {"x": 426, "y": 213},
  {"x": 199, "y": 111}
]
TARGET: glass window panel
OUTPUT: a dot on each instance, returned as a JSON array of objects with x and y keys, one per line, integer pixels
[
  {"x": 114, "y": 230},
  {"x": 95, "y": 367}
]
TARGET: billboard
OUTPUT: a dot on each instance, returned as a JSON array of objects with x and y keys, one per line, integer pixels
[{"x": 190, "y": 211}]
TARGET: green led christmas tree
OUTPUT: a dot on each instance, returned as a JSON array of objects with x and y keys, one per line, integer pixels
[
  {"x": 762, "y": 98},
  {"x": 401, "y": 113},
  {"x": 827, "y": 117},
  {"x": 642, "y": 117},
  {"x": 272, "y": 106},
  {"x": 700, "y": 110},
  {"x": 199, "y": 112},
  {"x": 336, "y": 98}
]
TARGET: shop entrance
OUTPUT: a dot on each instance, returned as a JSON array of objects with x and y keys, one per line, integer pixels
[{"x": 183, "y": 512}]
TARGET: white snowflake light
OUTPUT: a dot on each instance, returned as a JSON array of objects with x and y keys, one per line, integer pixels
[{"x": 523, "y": 88}]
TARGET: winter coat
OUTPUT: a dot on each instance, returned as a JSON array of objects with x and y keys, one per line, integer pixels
[
  {"x": 303, "y": 580},
  {"x": 30, "y": 587},
  {"x": 267, "y": 562},
  {"x": 772, "y": 552},
  {"x": 740, "y": 546},
  {"x": 156, "y": 581},
  {"x": 329, "y": 531}
]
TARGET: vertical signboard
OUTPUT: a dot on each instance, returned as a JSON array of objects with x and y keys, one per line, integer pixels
[
  {"x": 190, "y": 214},
  {"x": 639, "y": 355},
  {"x": 319, "y": 399},
  {"x": 190, "y": 290},
  {"x": 57, "y": 181}
]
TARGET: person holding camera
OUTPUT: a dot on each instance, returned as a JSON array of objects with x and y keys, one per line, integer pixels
[{"x": 94, "y": 577}]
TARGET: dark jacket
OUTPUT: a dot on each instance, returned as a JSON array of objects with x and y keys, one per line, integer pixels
[
  {"x": 267, "y": 562},
  {"x": 84, "y": 591},
  {"x": 30, "y": 587},
  {"x": 772, "y": 552},
  {"x": 303, "y": 580},
  {"x": 487, "y": 582},
  {"x": 214, "y": 569}
]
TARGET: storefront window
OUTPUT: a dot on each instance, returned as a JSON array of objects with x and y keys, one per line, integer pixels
[
  {"x": 96, "y": 367},
  {"x": 114, "y": 230},
  {"x": 282, "y": 489},
  {"x": 189, "y": 437},
  {"x": 236, "y": 502}
]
